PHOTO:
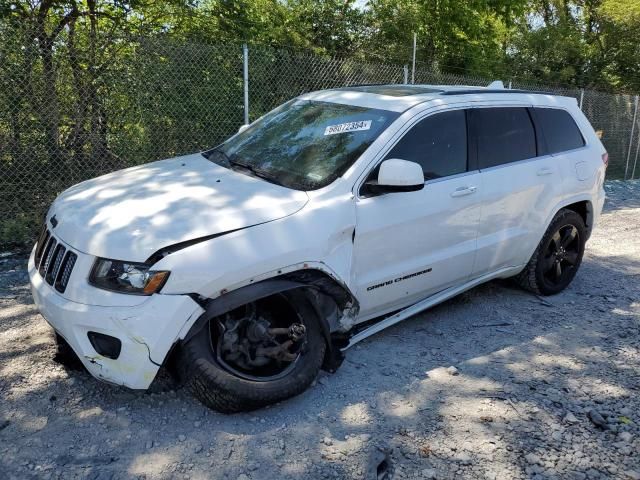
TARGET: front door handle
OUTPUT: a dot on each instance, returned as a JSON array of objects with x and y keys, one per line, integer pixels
[
  {"x": 462, "y": 191},
  {"x": 544, "y": 171}
]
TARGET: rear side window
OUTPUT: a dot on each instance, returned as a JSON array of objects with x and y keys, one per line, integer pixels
[
  {"x": 560, "y": 130},
  {"x": 438, "y": 143},
  {"x": 504, "y": 135}
]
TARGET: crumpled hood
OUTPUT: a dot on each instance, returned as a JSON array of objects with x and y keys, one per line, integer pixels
[{"x": 132, "y": 213}]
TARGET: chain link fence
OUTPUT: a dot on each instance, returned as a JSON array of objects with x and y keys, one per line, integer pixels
[{"x": 69, "y": 113}]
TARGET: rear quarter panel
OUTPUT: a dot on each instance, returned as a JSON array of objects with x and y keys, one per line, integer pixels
[{"x": 583, "y": 169}]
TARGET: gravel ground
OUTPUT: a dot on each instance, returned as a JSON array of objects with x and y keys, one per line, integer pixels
[{"x": 496, "y": 383}]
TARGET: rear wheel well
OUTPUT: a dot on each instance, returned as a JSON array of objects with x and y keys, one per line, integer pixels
[{"x": 585, "y": 210}]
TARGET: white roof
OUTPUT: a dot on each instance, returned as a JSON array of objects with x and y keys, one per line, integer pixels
[{"x": 400, "y": 97}]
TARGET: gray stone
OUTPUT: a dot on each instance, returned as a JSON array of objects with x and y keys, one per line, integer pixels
[
  {"x": 597, "y": 419},
  {"x": 625, "y": 436},
  {"x": 570, "y": 418},
  {"x": 453, "y": 370},
  {"x": 429, "y": 474},
  {"x": 532, "y": 459}
]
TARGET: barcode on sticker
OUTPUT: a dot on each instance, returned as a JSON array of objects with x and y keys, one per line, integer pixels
[{"x": 348, "y": 127}]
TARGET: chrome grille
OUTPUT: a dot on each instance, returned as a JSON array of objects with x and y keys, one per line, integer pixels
[{"x": 54, "y": 262}]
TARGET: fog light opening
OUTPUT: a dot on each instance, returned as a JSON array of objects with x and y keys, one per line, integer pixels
[{"x": 105, "y": 345}]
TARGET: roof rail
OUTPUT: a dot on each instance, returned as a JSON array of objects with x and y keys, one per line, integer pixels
[{"x": 470, "y": 91}]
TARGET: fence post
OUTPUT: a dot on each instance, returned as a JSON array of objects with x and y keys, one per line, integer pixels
[
  {"x": 413, "y": 71},
  {"x": 509, "y": 85},
  {"x": 406, "y": 74},
  {"x": 635, "y": 161},
  {"x": 633, "y": 127},
  {"x": 245, "y": 79},
  {"x": 581, "y": 97}
]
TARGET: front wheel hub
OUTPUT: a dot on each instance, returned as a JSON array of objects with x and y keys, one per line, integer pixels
[{"x": 260, "y": 341}]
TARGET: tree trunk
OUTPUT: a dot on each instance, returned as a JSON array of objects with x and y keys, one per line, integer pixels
[
  {"x": 78, "y": 134},
  {"x": 99, "y": 127}
]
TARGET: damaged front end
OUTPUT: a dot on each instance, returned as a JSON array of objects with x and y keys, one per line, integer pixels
[{"x": 248, "y": 338}]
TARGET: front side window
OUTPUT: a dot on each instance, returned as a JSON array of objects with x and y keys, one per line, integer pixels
[
  {"x": 438, "y": 143},
  {"x": 560, "y": 130},
  {"x": 504, "y": 135},
  {"x": 304, "y": 144}
]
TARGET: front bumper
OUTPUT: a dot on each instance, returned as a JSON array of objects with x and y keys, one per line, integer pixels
[{"x": 147, "y": 330}]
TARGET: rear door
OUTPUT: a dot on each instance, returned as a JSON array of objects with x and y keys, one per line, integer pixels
[
  {"x": 412, "y": 244},
  {"x": 566, "y": 144},
  {"x": 521, "y": 184}
]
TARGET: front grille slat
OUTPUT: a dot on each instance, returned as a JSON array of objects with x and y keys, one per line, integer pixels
[
  {"x": 46, "y": 255},
  {"x": 42, "y": 242},
  {"x": 65, "y": 271},
  {"x": 54, "y": 261},
  {"x": 52, "y": 271}
]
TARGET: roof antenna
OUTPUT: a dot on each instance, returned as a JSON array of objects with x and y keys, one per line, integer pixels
[{"x": 497, "y": 84}]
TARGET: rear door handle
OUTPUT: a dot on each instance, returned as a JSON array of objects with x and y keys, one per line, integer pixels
[
  {"x": 544, "y": 171},
  {"x": 462, "y": 191}
]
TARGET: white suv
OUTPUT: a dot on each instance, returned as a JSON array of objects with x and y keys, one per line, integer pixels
[{"x": 248, "y": 267}]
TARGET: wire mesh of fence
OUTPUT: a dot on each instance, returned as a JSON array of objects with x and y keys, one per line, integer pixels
[{"x": 68, "y": 114}]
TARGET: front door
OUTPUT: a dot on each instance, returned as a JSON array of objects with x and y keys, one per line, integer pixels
[{"x": 410, "y": 245}]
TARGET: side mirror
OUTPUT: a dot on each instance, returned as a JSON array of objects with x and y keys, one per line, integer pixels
[
  {"x": 397, "y": 175},
  {"x": 243, "y": 128}
]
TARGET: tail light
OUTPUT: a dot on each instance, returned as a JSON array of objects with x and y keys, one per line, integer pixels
[{"x": 605, "y": 159}]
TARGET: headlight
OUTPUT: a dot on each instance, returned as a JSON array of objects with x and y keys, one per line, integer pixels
[{"x": 126, "y": 277}]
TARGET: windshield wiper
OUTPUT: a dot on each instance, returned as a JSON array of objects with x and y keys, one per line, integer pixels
[
  {"x": 258, "y": 172},
  {"x": 234, "y": 163}
]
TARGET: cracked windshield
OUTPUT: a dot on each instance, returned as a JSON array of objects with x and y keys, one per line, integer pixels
[{"x": 304, "y": 144}]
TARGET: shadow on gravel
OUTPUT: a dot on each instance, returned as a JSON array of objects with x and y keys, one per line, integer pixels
[
  {"x": 523, "y": 364},
  {"x": 622, "y": 194}
]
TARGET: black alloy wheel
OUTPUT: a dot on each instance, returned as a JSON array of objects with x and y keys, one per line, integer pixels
[
  {"x": 558, "y": 256},
  {"x": 562, "y": 255}
]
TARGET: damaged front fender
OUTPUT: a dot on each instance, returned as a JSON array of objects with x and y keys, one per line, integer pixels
[{"x": 333, "y": 304}]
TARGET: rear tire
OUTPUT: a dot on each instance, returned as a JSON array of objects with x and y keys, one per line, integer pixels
[
  {"x": 227, "y": 390},
  {"x": 558, "y": 256}
]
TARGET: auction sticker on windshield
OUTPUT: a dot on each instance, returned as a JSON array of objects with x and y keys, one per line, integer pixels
[{"x": 348, "y": 127}]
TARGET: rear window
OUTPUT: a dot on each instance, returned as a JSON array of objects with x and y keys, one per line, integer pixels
[
  {"x": 560, "y": 130},
  {"x": 504, "y": 135}
]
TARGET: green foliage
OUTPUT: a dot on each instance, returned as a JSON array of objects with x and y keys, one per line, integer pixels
[
  {"x": 455, "y": 36},
  {"x": 622, "y": 11},
  {"x": 89, "y": 86}
]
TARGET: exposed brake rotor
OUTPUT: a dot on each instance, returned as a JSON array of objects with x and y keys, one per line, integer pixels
[{"x": 248, "y": 341}]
